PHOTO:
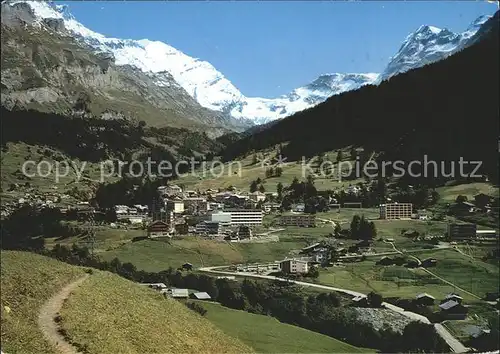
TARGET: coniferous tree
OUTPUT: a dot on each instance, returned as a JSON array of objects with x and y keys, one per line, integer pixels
[
  {"x": 279, "y": 190},
  {"x": 340, "y": 156},
  {"x": 355, "y": 225}
]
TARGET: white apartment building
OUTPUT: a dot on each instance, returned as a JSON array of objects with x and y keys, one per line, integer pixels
[
  {"x": 396, "y": 211},
  {"x": 176, "y": 206},
  {"x": 249, "y": 217},
  {"x": 221, "y": 217},
  {"x": 301, "y": 220},
  {"x": 293, "y": 266}
]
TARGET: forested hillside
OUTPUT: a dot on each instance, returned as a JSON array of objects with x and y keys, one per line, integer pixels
[{"x": 445, "y": 110}]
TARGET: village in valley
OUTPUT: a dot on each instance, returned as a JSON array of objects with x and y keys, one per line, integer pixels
[
  {"x": 328, "y": 240},
  {"x": 280, "y": 225}
]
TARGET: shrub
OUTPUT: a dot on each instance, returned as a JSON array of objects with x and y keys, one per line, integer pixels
[{"x": 197, "y": 308}]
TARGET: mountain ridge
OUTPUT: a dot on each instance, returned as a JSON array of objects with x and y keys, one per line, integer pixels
[
  {"x": 212, "y": 90},
  {"x": 443, "y": 105}
]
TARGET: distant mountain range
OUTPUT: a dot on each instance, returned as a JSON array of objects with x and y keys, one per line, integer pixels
[{"x": 167, "y": 68}]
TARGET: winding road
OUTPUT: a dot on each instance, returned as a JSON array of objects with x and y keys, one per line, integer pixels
[
  {"x": 48, "y": 314},
  {"x": 452, "y": 342}
]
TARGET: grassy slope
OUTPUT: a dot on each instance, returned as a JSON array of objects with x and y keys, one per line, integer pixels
[
  {"x": 472, "y": 275},
  {"x": 450, "y": 193},
  {"x": 156, "y": 255},
  {"x": 267, "y": 335},
  {"x": 389, "y": 281},
  {"x": 138, "y": 320},
  {"x": 228, "y": 176},
  {"x": 18, "y": 153},
  {"x": 27, "y": 281}
]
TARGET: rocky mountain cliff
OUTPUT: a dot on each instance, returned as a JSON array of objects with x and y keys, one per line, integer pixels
[
  {"x": 168, "y": 67},
  {"x": 45, "y": 68}
]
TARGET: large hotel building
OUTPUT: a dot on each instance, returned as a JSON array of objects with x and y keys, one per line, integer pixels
[
  {"x": 396, "y": 211},
  {"x": 249, "y": 217}
]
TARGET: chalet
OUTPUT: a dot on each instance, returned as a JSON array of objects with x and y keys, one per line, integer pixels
[
  {"x": 322, "y": 256},
  {"x": 172, "y": 189},
  {"x": 157, "y": 286},
  {"x": 453, "y": 297},
  {"x": 179, "y": 293},
  {"x": 195, "y": 205},
  {"x": 412, "y": 263},
  {"x": 429, "y": 262},
  {"x": 492, "y": 296},
  {"x": 299, "y": 220},
  {"x": 310, "y": 248},
  {"x": 159, "y": 228},
  {"x": 201, "y": 296},
  {"x": 385, "y": 261},
  {"x": 360, "y": 301},
  {"x": 425, "y": 299},
  {"x": 460, "y": 231},
  {"x": 468, "y": 206},
  {"x": 341, "y": 251},
  {"x": 174, "y": 205},
  {"x": 453, "y": 310},
  {"x": 410, "y": 233},
  {"x": 187, "y": 266}
]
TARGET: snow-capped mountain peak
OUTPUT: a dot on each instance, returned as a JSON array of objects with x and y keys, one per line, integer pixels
[
  {"x": 199, "y": 78},
  {"x": 429, "y": 44},
  {"x": 212, "y": 90}
]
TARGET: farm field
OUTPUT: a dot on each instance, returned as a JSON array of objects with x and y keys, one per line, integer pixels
[
  {"x": 344, "y": 216},
  {"x": 157, "y": 255},
  {"x": 267, "y": 335},
  {"x": 389, "y": 281},
  {"x": 469, "y": 274},
  {"x": 472, "y": 275}
]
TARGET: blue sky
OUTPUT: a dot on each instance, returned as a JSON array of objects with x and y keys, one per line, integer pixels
[{"x": 268, "y": 48}]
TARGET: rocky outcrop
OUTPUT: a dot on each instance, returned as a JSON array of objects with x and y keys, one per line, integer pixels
[
  {"x": 55, "y": 24},
  {"x": 17, "y": 15},
  {"x": 45, "y": 68}
]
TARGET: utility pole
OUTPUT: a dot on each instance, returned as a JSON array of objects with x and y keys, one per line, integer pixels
[{"x": 91, "y": 234}]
